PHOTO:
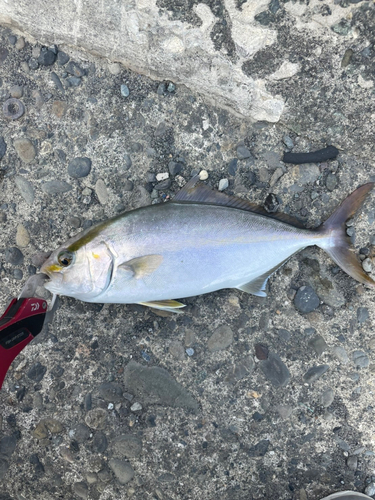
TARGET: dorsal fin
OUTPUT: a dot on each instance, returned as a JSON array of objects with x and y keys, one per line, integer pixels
[{"x": 195, "y": 192}]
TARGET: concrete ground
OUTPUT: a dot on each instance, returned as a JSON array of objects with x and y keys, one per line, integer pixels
[{"x": 240, "y": 397}]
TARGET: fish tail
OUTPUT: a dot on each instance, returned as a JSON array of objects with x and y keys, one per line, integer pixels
[{"x": 335, "y": 240}]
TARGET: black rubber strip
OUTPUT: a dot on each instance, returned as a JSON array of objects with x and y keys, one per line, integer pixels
[{"x": 328, "y": 153}]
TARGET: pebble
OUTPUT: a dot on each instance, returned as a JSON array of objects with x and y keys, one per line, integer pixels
[
  {"x": 96, "y": 418},
  {"x": 340, "y": 353},
  {"x": 263, "y": 174},
  {"x": 175, "y": 168},
  {"x": 360, "y": 359},
  {"x": 91, "y": 477},
  {"x": 79, "y": 167},
  {"x": 22, "y": 236},
  {"x": 128, "y": 185},
  {"x": 114, "y": 68},
  {"x": 203, "y": 175},
  {"x": 18, "y": 274},
  {"x": 74, "y": 69},
  {"x": 20, "y": 43},
  {"x": 306, "y": 300},
  {"x": 370, "y": 490},
  {"x": 318, "y": 344},
  {"x": 189, "y": 351},
  {"x": 110, "y": 391},
  {"x": 272, "y": 203},
  {"x": 288, "y": 142},
  {"x": 220, "y": 339},
  {"x": 232, "y": 167},
  {"x": 136, "y": 407},
  {"x": 171, "y": 87},
  {"x": 122, "y": 470},
  {"x": 55, "y": 187},
  {"x": 101, "y": 191},
  {"x": 314, "y": 373},
  {"x": 12, "y": 39},
  {"x": 352, "y": 463},
  {"x": 25, "y": 189},
  {"x": 163, "y": 185},
  {"x": 4, "y": 466},
  {"x": 62, "y": 58},
  {"x": 81, "y": 433},
  {"x": 25, "y": 150},
  {"x": 73, "y": 81},
  {"x": 37, "y": 372},
  {"x": 3, "y": 147},
  {"x": 240, "y": 370},
  {"x": 16, "y": 91},
  {"x": 125, "y": 90},
  {"x": 275, "y": 370},
  {"x": 128, "y": 445},
  {"x": 327, "y": 397},
  {"x": 81, "y": 489},
  {"x": 177, "y": 350},
  {"x": 7, "y": 445},
  {"x": 243, "y": 152},
  {"x": 154, "y": 385},
  {"x": 278, "y": 173},
  {"x": 127, "y": 161},
  {"x": 56, "y": 80},
  {"x": 162, "y": 177},
  {"x": 223, "y": 184},
  {"x": 367, "y": 265},
  {"x": 331, "y": 181},
  {"x": 362, "y": 315},
  {"x": 99, "y": 443},
  {"x": 14, "y": 256},
  {"x": 46, "y": 57}
]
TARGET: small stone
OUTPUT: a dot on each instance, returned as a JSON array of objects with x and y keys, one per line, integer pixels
[
  {"x": 340, "y": 354},
  {"x": 114, "y": 68},
  {"x": 272, "y": 203},
  {"x": 99, "y": 443},
  {"x": 352, "y": 463},
  {"x": 91, "y": 477},
  {"x": 37, "y": 372},
  {"x": 203, "y": 175},
  {"x": 263, "y": 174},
  {"x": 175, "y": 168},
  {"x": 14, "y": 256},
  {"x": 232, "y": 167},
  {"x": 223, "y": 184},
  {"x": 79, "y": 167},
  {"x": 7, "y": 445},
  {"x": 314, "y": 373},
  {"x": 12, "y": 39},
  {"x": 163, "y": 185},
  {"x": 306, "y": 300},
  {"x": 25, "y": 150},
  {"x": 4, "y": 466},
  {"x": 177, "y": 350},
  {"x": 18, "y": 274},
  {"x": 128, "y": 185},
  {"x": 3, "y": 147},
  {"x": 275, "y": 370},
  {"x": 162, "y": 177},
  {"x": 189, "y": 351},
  {"x": 73, "y": 81},
  {"x": 74, "y": 69},
  {"x": 362, "y": 315},
  {"x": 370, "y": 489},
  {"x": 47, "y": 57},
  {"x": 25, "y": 188},
  {"x": 62, "y": 58},
  {"x": 367, "y": 265},
  {"x": 220, "y": 339},
  {"x": 342, "y": 28},
  {"x": 59, "y": 108},
  {"x": 81, "y": 490},
  {"x": 122, "y": 470},
  {"x": 261, "y": 351},
  {"x": 278, "y": 173},
  {"x": 20, "y": 43},
  {"x": 96, "y": 418},
  {"x": 243, "y": 152},
  {"x": 33, "y": 63},
  {"x": 327, "y": 397},
  {"x": 125, "y": 90},
  {"x": 127, "y": 161},
  {"x": 136, "y": 407},
  {"x": 101, "y": 191},
  {"x": 81, "y": 433},
  {"x": 128, "y": 445},
  {"x": 22, "y": 236},
  {"x": 171, "y": 87},
  {"x": 288, "y": 142},
  {"x": 110, "y": 391},
  {"x": 16, "y": 91},
  {"x": 331, "y": 181},
  {"x": 40, "y": 431},
  {"x": 360, "y": 359},
  {"x": 318, "y": 344},
  {"x": 55, "y": 187}
]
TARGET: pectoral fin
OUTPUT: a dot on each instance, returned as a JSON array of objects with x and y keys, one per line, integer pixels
[
  {"x": 140, "y": 267},
  {"x": 165, "y": 305}
]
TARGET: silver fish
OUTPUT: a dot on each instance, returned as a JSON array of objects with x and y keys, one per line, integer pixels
[{"x": 199, "y": 242}]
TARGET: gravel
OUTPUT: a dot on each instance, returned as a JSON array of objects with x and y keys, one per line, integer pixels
[
  {"x": 47, "y": 57},
  {"x": 306, "y": 299},
  {"x": 79, "y": 167}
]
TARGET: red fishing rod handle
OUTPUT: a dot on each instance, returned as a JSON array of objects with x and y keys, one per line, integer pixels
[{"x": 21, "y": 322}]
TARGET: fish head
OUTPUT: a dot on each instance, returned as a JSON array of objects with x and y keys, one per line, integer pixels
[{"x": 79, "y": 268}]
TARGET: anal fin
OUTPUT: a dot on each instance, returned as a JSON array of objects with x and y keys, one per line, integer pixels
[{"x": 165, "y": 305}]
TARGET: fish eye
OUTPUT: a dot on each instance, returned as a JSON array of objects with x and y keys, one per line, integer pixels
[{"x": 65, "y": 258}]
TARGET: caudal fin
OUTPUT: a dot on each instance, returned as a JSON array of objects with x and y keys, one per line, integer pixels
[{"x": 337, "y": 244}]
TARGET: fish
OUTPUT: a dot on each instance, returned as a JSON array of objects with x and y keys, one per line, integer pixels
[{"x": 199, "y": 242}]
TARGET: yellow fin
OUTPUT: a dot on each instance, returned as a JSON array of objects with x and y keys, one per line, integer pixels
[
  {"x": 165, "y": 305},
  {"x": 141, "y": 267}
]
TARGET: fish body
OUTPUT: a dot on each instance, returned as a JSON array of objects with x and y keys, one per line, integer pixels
[{"x": 201, "y": 242}]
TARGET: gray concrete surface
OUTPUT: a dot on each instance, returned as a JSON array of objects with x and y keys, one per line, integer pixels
[{"x": 262, "y": 401}]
